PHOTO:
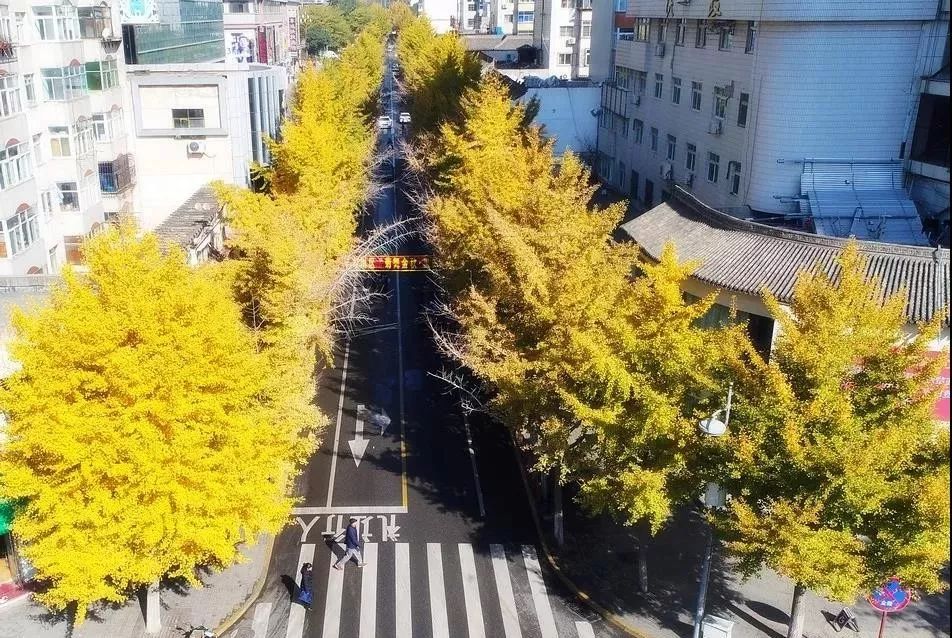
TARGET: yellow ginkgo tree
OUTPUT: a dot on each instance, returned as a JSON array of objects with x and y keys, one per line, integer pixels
[{"x": 136, "y": 444}]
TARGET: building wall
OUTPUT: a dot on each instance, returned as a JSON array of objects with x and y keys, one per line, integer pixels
[
  {"x": 561, "y": 33},
  {"x": 566, "y": 115},
  {"x": 802, "y": 11}
]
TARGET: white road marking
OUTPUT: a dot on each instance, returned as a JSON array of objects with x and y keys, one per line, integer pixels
[
  {"x": 403, "y": 611},
  {"x": 340, "y": 415},
  {"x": 259, "y": 626},
  {"x": 507, "y": 601},
  {"x": 434, "y": 570},
  {"x": 474, "y": 612},
  {"x": 368, "y": 592},
  {"x": 296, "y": 618},
  {"x": 356, "y": 510},
  {"x": 472, "y": 462},
  {"x": 539, "y": 597},
  {"x": 584, "y": 629},
  {"x": 335, "y": 592}
]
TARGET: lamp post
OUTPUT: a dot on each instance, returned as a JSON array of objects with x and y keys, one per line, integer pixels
[{"x": 711, "y": 426}]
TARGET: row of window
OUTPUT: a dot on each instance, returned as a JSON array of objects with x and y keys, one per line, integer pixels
[
  {"x": 59, "y": 84},
  {"x": 58, "y": 23},
  {"x": 645, "y": 27},
  {"x": 636, "y": 82},
  {"x": 568, "y": 31}
]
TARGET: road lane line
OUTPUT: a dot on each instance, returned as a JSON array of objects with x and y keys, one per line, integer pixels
[
  {"x": 296, "y": 618},
  {"x": 259, "y": 626},
  {"x": 584, "y": 629},
  {"x": 474, "y": 611},
  {"x": 539, "y": 597},
  {"x": 349, "y": 509},
  {"x": 335, "y": 592},
  {"x": 472, "y": 462},
  {"x": 434, "y": 572},
  {"x": 403, "y": 611},
  {"x": 403, "y": 437},
  {"x": 368, "y": 592},
  {"x": 507, "y": 600},
  {"x": 340, "y": 415}
]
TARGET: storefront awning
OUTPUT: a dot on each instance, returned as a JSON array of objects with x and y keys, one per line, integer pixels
[{"x": 6, "y": 516}]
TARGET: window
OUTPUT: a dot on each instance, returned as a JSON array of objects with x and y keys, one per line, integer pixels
[
  {"x": 38, "y": 157},
  {"x": 654, "y": 139},
  {"x": 22, "y": 228},
  {"x": 696, "y": 88},
  {"x": 659, "y": 85},
  {"x": 115, "y": 176},
  {"x": 751, "y": 37},
  {"x": 73, "y": 245},
  {"x": 566, "y": 31},
  {"x": 587, "y": 57},
  {"x": 623, "y": 77},
  {"x": 100, "y": 130},
  {"x": 65, "y": 83},
  {"x": 621, "y": 125},
  {"x": 58, "y": 22},
  {"x": 15, "y": 166},
  {"x": 236, "y": 7},
  {"x": 565, "y": 59},
  {"x": 188, "y": 118},
  {"x": 20, "y": 26},
  {"x": 68, "y": 195},
  {"x": 641, "y": 78},
  {"x": 690, "y": 159},
  {"x": 676, "y": 90},
  {"x": 661, "y": 26},
  {"x": 700, "y": 36},
  {"x": 9, "y": 95},
  {"x": 82, "y": 137},
  {"x": 59, "y": 141},
  {"x": 6, "y": 29},
  {"x": 525, "y": 17},
  {"x": 568, "y": 4},
  {"x": 46, "y": 201},
  {"x": 726, "y": 38},
  {"x": 471, "y": 6},
  {"x": 29, "y": 89},
  {"x": 621, "y": 6},
  {"x": 713, "y": 167},
  {"x": 102, "y": 75},
  {"x": 643, "y": 29},
  {"x": 93, "y": 22},
  {"x": 470, "y": 22},
  {"x": 742, "y": 107},
  {"x": 733, "y": 177},
  {"x": 672, "y": 148},
  {"x": 680, "y": 29},
  {"x": 586, "y": 29},
  {"x": 720, "y": 105},
  {"x": 638, "y": 131},
  {"x": 508, "y": 18}
]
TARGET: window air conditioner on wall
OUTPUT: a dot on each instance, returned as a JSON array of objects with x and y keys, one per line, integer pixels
[
  {"x": 569, "y": 42},
  {"x": 666, "y": 170},
  {"x": 195, "y": 147},
  {"x": 716, "y": 127}
]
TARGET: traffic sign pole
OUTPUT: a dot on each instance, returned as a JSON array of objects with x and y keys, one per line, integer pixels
[{"x": 882, "y": 625}]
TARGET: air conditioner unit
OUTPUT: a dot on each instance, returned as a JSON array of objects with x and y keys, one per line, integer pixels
[
  {"x": 195, "y": 147},
  {"x": 666, "y": 170},
  {"x": 659, "y": 49},
  {"x": 716, "y": 126},
  {"x": 690, "y": 179},
  {"x": 569, "y": 42}
]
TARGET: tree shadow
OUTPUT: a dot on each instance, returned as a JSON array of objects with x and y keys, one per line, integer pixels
[{"x": 768, "y": 612}]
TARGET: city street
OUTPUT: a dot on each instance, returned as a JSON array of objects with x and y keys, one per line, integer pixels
[{"x": 449, "y": 541}]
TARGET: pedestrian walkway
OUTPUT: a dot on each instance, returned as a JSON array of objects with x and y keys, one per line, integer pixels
[{"x": 424, "y": 590}]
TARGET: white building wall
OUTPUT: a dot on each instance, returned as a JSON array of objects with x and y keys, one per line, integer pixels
[
  {"x": 442, "y": 14},
  {"x": 800, "y": 11}
]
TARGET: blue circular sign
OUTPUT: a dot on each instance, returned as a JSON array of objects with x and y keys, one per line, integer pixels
[{"x": 890, "y": 597}]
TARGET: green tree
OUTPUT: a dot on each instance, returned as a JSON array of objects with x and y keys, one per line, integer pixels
[
  {"x": 326, "y": 28},
  {"x": 137, "y": 446},
  {"x": 839, "y": 477}
]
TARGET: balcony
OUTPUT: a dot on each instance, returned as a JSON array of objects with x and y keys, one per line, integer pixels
[
  {"x": 8, "y": 50},
  {"x": 117, "y": 176}
]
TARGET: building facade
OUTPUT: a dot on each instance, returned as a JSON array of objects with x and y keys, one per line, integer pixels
[
  {"x": 562, "y": 34},
  {"x": 263, "y": 32},
  {"x": 763, "y": 107}
]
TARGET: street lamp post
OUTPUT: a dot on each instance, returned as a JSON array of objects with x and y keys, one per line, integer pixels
[{"x": 711, "y": 426}]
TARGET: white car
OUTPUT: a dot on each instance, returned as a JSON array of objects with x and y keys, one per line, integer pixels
[
  {"x": 384, "y": 122},
  {"x": 404, "y": 118}
]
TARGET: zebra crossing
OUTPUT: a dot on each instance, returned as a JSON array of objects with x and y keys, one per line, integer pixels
[{"x": 425, "y": 590}]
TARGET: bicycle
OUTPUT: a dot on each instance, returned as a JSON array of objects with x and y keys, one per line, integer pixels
[{"x": 188, "y": 631}]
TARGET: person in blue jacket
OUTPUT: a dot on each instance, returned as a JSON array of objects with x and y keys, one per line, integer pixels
[{"x": 352, "y": 543}]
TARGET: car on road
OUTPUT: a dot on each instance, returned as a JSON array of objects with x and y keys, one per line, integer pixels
[
  {"x": 404, "y": 118},
  {"x": 384, "y": 122}
]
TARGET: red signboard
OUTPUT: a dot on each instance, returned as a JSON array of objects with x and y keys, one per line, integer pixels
[
  {"x": 405, "y": 263},
  {"x": 262, "y": 46}
]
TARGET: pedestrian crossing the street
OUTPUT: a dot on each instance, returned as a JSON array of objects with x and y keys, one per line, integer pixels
[{"x": 426, "y": 590}]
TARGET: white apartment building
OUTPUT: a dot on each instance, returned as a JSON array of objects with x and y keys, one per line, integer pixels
[
  {"x": 562, "y": 34},
  {"x": 799, "y": 110}
]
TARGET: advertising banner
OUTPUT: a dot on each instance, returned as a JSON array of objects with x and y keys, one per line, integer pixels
[{"x": 138, "y": 11}]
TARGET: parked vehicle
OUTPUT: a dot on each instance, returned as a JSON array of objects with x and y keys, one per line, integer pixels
[
  {"x": 384, "y": 122},
  {"x": 404, "y": 118}
]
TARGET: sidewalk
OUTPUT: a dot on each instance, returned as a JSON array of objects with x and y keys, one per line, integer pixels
[
  {"x": 222, "y": 594},
  {"x": 600, "y": 557}
]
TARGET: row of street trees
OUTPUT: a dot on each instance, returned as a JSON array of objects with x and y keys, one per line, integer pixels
[
  {"x": 161, "y": 411},
  {"x": 602, "y": 368},
  {"x": 331, "y": 26}
]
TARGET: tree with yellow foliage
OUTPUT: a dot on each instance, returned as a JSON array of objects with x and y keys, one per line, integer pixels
[
  {"x": 137, "y": 447},
  {"x": 838, "y": 475}
]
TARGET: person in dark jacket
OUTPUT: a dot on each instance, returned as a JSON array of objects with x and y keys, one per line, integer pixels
[{"x": 352, "y": 543}]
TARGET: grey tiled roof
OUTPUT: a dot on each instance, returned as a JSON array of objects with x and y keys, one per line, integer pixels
[
  {"x": 506, "y": 42},
  {"x": 746, "y": 257},
  {"x": 189, "y": 220}
]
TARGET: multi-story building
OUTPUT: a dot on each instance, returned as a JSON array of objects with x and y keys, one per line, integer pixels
[
  {"x": 562, "y": 34},
  {"x": 767, "y": 108},
  {"x": 263, "y": 31}
]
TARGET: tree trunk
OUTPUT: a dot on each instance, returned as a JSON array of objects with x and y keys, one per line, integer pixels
[
  {"x": 797, "y": 612},
  {"x": 643, "y": 567},
  {"x": 558, "y": 529},
  {"x": 153, "y": 619}
]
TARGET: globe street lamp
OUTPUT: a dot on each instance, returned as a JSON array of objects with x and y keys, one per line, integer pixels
[{"x": 713, "y": 497}]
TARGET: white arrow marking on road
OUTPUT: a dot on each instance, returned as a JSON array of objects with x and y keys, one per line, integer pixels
[{"x": 358, "y": 445}]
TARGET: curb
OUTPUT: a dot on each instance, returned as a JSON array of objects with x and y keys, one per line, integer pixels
[
  {"x": 612, "y": 618},
  {"x": 236, "y": 615}
]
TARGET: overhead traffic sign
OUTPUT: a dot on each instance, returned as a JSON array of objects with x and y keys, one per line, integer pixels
[{"x": 400, "y": 263}]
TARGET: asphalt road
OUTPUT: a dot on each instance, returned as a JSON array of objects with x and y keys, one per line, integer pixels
[{"x": 450, "y": 545}]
